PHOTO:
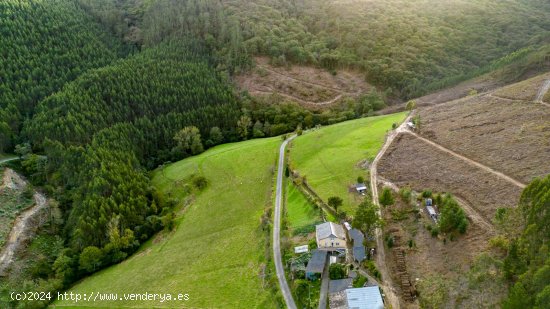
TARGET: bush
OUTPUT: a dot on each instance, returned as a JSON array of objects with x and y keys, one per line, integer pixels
[
  {"x": 200, "y": 182},
  {"x": 386, "y": 198},
  {"x": 390, "y": 241},
  {"x": 337, "y": 271},
  {"x": 371, "y": 267},
  {"x": 427, "y": 193},
  {"x": 452, "y": 217},
  {"x": 435, "y": 231},
  {"x": 359, "y": 281},
  {"x": 405, "y": 194}
]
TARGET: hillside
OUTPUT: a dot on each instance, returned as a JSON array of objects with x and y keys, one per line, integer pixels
[
  {"x": 209, "y": 254},
  {"x": 44, "y": 45}
]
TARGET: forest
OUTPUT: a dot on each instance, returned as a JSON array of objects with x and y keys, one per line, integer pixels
[{"x": 95, "y": 94}]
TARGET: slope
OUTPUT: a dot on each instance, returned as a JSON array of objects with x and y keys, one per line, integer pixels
[
  {"x": 216, "y": 253},
  {"x": 332, "y": 158}
]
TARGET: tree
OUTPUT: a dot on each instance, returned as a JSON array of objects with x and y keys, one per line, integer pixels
[
  {"x": 411, "y": 105},
  {"x": 335, "y": 202},
  {"x": 452, "y": 216},
  {"x": 386, "y": 198},
  {"x": 189, "y": 141},
  {"x": 243, "y": 125},
  {"x": 216, "y": 135},
  {"x": 23, "y": 149},
  {"x": 360, "y": 179},
  {"x": 366, "y": 218},
  {"x": 337, "y": 271},
  {"x": 90, "y": 259},
  {"x": 257, "y": 130}
]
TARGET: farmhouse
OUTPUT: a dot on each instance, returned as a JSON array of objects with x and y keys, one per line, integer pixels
[
  {"x": 316, "y": 264},
  {"x": 330, "y": 235}
]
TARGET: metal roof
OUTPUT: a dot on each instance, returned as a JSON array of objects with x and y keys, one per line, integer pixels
[
  {"x": 357, "y": 237},
  {"x": 317, "y": 262},
  {"x": 431, "y": 211},
  {"x": 359, "y": 253},
  {"x": 364, "y": 298},
  {"x": 301, "y": 249},
  {"x": 328, "y": 229},
  {"x": 336, "y": 286},
  {"x": 360, "y": 186}
]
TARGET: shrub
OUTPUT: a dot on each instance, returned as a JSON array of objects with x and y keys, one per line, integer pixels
[
  {"x": 200, "y": 182},
  {"x": 427, "y": 193},
  {"x": 359, "y": 281},
  {"x": 386, "y": 198},
  {"x": 337, "y": 271}
]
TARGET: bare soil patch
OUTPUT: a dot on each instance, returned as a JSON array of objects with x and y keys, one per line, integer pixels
[
  {"x": 509, "y": 136},
  {"x": 309, "y": 86},
  {"x": 414, "y": 163}
]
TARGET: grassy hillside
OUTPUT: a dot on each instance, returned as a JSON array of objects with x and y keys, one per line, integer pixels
[
  {"x": 330, "y": 157},
  {"x": 216, "y": 253},
  {"x": 300, "y": 212}
]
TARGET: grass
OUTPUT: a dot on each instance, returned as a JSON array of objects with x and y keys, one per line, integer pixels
[
  {"x": 329, "y": 157},
  {"x": 300, "y": 212},
  {"x": 217, "y": 251}
]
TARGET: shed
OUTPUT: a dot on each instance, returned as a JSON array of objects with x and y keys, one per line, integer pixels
[
  {"x": 301, "y": 249},
  {"x": 316, "y": 264},
  {"x": 364, "y": 298},
  {"x": 357, "y": 237},
  {"x": 432, "y": 212},
  {"x": 340, "y": 285},
  {"x": 361, "y": 187}
]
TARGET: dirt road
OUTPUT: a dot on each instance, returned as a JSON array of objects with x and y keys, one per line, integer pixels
[
  {"x": 285, "y": 290},
  {"x": 23, "y": 223},
  {"x": 388, "y": 285},
  {"x": 542, "y": 91},
  {"x": 470, "y": 161}
]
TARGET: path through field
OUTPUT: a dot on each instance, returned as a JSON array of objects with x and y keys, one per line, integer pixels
[
  {"x": 387, "y": 285},
  {"x": 285, "y": 290}
]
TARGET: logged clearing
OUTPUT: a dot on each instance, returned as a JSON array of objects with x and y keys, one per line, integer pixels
[
  {"x": 12, "y": 201},
  {"x": 422, "y": 260},
  {"x": 309, "y": 86},
  {"x": 217, "y": 252},
  {"x": 414, "y": 163},
  {"x": 509, "y": 136},
  {"x": 331, "y": 158},
  {"x": 526, "y": 90}
]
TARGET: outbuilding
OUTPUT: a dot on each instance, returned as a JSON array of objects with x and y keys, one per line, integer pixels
[
  {"x": 361, "y": 188},
  {"x": 365, "y": 298},
  {"x": 316, "y": 264}
]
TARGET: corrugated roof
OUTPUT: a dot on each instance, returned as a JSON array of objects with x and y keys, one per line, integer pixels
[
  {"x": 431, "y": 210},
  {"x": 364, "y": 298},
  {"x": 317, "y": 262},
  {"x": 327, "y": 229}
]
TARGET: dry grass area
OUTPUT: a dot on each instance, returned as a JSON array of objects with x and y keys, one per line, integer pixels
[
  {"x": 309, "y": 86},
  {"x": 512, "y": 137},
  {"x": 525, "y": 90},
  {"x": 411, "y": 162}
]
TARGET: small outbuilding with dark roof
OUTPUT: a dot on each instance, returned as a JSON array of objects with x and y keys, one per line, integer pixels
[{"x": 316, "y": 264}]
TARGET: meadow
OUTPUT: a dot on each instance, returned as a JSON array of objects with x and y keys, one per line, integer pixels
[
  {"x": 216, "y": 253},
  {"x": 300, "y": 213},
  {"x": 331, "y": 158}
]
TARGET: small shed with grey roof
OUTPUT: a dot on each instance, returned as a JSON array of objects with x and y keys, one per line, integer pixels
[{"x": 316, "y": 264}]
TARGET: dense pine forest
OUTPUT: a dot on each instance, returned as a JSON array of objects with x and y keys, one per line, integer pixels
[{"x": 94, "y": 94}]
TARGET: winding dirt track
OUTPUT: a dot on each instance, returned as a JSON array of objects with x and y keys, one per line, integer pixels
[{"x": 22, "y": 225}]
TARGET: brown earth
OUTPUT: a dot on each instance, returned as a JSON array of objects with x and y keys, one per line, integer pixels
[
  {"x": 525, "y": 90},
  {"x": 509, "y": 136},
  {"x": 309, "y": 86},
  {"x": 435, "y": 257},
  {"x": 416, "y": 164}
]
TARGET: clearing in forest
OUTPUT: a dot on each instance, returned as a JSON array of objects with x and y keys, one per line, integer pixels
[
  {"x": 333, "y": 157},
  {"x": 217, "y": 251},
  {"x": 308, "y": 86}
]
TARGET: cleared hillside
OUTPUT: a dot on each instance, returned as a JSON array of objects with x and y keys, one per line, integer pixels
[
  {"x": 504, "y": 130},
  {"x": 216, "y": 253}
]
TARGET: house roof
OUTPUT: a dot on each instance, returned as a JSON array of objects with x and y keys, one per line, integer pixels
[
  {"x": 336, "y": 286},
  {"x": 364, "y": 298},
  {"x": 357, "y": 237},
  {"x": 360, "y": 186},
  {"x": 328, "y": 229},
  {"x": 317, "y": 262},
  {"x": 359, "y": 253}
]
